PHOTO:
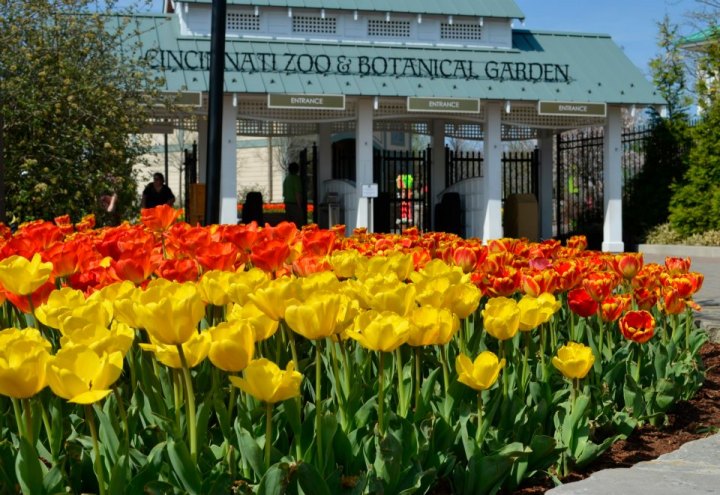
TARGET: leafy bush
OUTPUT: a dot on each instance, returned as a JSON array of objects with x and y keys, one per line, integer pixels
[{"x": 665, "y": 234}]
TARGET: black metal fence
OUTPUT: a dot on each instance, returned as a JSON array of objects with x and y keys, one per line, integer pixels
[
  {"x": 520, "y": 169},
  {"x": 579, "y": 177}
]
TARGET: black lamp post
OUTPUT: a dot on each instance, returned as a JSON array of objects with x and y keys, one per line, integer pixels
[{"x": 215, "y": 111}]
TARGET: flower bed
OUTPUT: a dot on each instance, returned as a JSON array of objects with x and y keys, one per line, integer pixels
[
  {"x": 274, "y": 208},
  {"x": 172, "y": 358}
]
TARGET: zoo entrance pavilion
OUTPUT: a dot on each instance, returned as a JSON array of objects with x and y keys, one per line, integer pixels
[{"x": 446, "y": 68}]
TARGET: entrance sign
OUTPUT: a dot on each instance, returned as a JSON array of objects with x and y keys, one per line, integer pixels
[
  {"x": 370, "y": 190},
  {"x": 303, "y": 101},
  {"x": 572, "y": 109},
  {"x": 443, "y": 105}
]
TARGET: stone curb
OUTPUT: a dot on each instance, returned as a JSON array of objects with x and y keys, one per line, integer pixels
[
  {"x": 675, "y": 249},
  {"x": 692, "y": 469}
]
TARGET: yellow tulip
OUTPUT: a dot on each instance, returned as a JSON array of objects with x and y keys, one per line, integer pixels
[
  {"x": 21, "y": 276},
  {"x": 438, "y": 268},
  {"x": 549, "y": 305},
  {"x": 214, "y": 287},
  {"x": 346, "y": 263},
  {"x": 90, "y": 313},
  {"x": 274, "y": 298},
  {"x": 245, "y": 283},
  {"x": 232, "y": 345},
  {"x": 462, "y": 299},
  {"x": 263, "y": 326},
  {"x": 265, "y": 381},
  {"x": 170, "y": 312},
  {"x": 501, "y": 318},
  {"x": 118, "y": 338},
  {"x": 125, "y": 297},
  {"x": 83, "y": 376},
  {"x": 59, "y": 304},
  {"x": 196, "y": 349},
  {"x": 23, "y": 359},
  {"x": 317, "y": 317},
  {"x": 432, "y": 291},
  {"x": 432, "y": 326},
  {"x": 480, "y": 374},
  {"x": 399, "y": 264},
  {"x": 377, "y": 331},
  {"x": 318, "y": 282},
  {"x": 531, "y": 315},
  {"x": 574, "y": 360},
  {"x": 397, "y": 297}
]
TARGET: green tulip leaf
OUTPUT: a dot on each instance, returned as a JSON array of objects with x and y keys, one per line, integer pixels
[
  {"x": 119, "y": 477},
  {"x": 184, "y": 467},
  {"x": 275, "y": 480},
  {"x": 310, "y": 480},
  {"x": 202, "y": 419},
  {"x": 250, "y": 450},
  {"x": 28, "y": 469},
  {"x": 109, "y": 442}
]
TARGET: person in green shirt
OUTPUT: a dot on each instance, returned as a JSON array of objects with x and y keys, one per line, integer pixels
[{"x": 292, "y": 196}]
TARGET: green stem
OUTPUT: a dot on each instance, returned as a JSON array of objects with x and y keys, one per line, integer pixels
[
  {"x": 291, "y": 339},
  {"x": 177, "y": 384},
  {"x": 526, "y": 356},
  {"x": 48, "y": 430},
  {"x": 543, "y": 349},
  {"x": 402, "y": 402},
  {"x": 268, "y": 433},
  {"x": 381, "y": 394},
  {"x": 418, "y": 358},
  {"x": 123, "y": 416},
  {"x": 190, "y": 402},
  {"x": 89, "y": 415},
  {"x": 446, "y": 372},
  {"x": 231, "y": 402},
  {"x": 636, "y": 375},
  {"x": 27, "y": 410},
  {"x": 339, "y": 389},
  {"x": 479, "y": 436},
  {"x": 601, "y": 327},
  {"x": 19, "y": 418},
  {"x": 318, "y": 398}
]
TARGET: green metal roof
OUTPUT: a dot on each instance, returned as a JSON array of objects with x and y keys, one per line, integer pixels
[
  {"x": 487, "y": 8},
  {"x": 701, "y": 37},
  {"x": 597, "y": 70}
]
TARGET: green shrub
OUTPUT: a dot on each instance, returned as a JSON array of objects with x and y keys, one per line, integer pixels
[{"x": 665, "y": 234}]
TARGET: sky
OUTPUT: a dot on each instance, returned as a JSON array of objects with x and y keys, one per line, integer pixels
[{"x": 632, "y": 24}]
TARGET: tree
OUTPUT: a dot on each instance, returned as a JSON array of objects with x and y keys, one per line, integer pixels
[
  {"x": 666, "y": 150},
  {"x": 72, "y": 104},
  {"x": 695, "y": 206}
]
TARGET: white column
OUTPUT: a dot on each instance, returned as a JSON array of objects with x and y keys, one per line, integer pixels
[
  {"x": 324, "y": 161},
  {"x": 202, "y": 142},
  {"x": 612, "y": 179},
  {"x": 228, "y": 165},
  {"x": 545, "y": 182},
  {"x": 364, "y": 158},
  {"x": 492, "y": 173},
  {"x": 437, "y": 172}
]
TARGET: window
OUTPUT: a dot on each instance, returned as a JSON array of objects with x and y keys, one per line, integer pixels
[
  {"x": 388, "y": 29},
  {"x": 460, "y": 31},
  {"x": 243, "y": 22},
  {"x": 318, "y": 25}
]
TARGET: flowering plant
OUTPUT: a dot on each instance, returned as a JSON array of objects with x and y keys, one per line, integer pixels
[{"x": 196, "y": 359}]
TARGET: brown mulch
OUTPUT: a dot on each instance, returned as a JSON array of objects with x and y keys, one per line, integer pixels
[{"x": 688, "y": 420}]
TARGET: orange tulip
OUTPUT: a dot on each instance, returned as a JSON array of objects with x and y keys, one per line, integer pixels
[
  {"x": 638, "y": 326},
  {"x": 159, "y": 218},
  {"x": 599, "y": 285},
  {"x": 627, "y": 265},
  {"x": 676, "y": 265},
  {"x": 270, "y": 256}
]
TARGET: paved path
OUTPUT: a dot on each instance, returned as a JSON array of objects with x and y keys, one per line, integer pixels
[{"x": 694, "y": 468}]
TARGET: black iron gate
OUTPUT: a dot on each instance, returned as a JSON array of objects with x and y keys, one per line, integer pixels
[
  {"x": 308, "y": 180},
  {"x": 403, "y": 179},
  {"x": 579, "y": 184}
]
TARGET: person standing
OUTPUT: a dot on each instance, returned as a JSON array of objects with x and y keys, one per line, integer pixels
[
  {"x": 157, "y": 193},
  {"x": 292, "y": 196}
]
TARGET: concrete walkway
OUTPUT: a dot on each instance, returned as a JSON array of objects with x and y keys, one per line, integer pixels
[{"x": 694, "y": 468}]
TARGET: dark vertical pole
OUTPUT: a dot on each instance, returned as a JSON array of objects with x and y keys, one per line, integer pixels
[
  {"x": 215, "y": 111},
  {"x": 2, "y": 170},
  {"x": 167, "y": 158}
]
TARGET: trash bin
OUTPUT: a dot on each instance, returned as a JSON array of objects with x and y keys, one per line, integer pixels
[
  {"x": 520, "y": 217},
  {"x": 329, "y": 212}
]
